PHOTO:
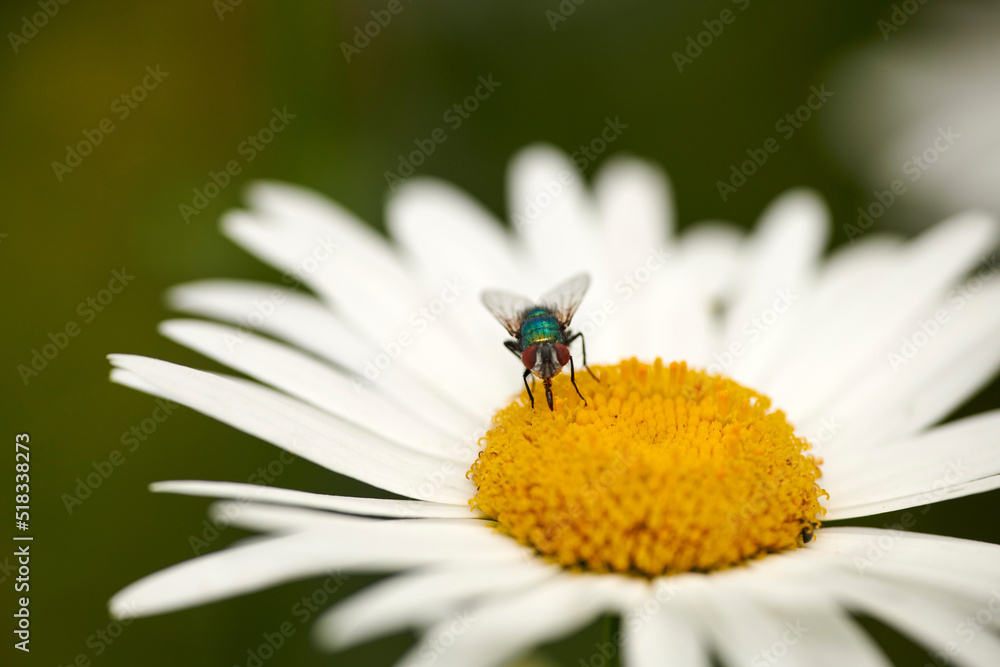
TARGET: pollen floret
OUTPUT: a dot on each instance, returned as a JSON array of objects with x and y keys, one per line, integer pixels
[{"x": 668, "y": 470}]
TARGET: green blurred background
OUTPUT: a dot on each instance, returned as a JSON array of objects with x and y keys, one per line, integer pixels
[{"x": 120, "y": 208}]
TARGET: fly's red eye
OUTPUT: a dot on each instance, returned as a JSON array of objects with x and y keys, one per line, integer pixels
[
  {"x": 529, "y": 356},
  {"x": 562, "y": 354}
]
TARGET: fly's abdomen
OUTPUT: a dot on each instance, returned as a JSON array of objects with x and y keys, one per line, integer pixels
[{"x": 539, "y": 326}]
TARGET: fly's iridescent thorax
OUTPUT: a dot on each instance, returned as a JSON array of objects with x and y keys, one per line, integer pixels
[{"x": 539, "y": 325}]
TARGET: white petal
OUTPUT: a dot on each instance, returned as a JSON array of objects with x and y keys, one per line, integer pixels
[
  {"x": 422, "y": 598},
  {"x": 305, "y": 431},
  {"x": 768, "y": 622},
  {"x": 265, "y": 517},
  {"x": 636, "y": 208},
  {"x": 446, "y": 234},
  {"x": 361, "y": 274},
  {"x": 316, "y": 383},
  {"x": 915, "y": 500},
  {"x": 288, "y": 201},
  {"x": 344, "y": 543},
  {"x": 954, "y": 566},
  {"x": 370, "y": 289},
  {"x": 929, "y": 621},
  {"x": 874, "y": 319},
  {"x": 441, "y": 226},
  {"x": 311, "y": 325},
  {"x": 779, "y": 267},
  {"x": 133, "y": 381},
  {"x": 710, "y": 251},
  {"x": 676, "y": 319},
  {"x": 957, "y": 453},
  {"x": 957, "y": 357},
  {"x": 552, "y": 210},
  {"x": 293, "y": 316},
  {"x": 843, "y": 285},
  {"x": 374, "y": 507},
  {"x": 374, "y": 302},
  {"x": 664, "y": 638},
  {"x": 495, "y": 632}
]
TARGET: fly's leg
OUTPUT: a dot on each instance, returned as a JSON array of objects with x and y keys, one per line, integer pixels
[
  {"x": 515, "y": 349},
  {"x": 583, "y": 345},
  {"x": 524, "y": 377},
  {"x": 572, "y": 378}
]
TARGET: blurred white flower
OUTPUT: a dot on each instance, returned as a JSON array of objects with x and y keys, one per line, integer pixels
[
  {"x": 391, "y": 372},
  {"x": 919, "y": 106}
]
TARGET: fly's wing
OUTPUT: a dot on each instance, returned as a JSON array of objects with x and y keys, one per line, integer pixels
[
  {"x": 507, "y": 308},
  {"x": 565, "y": 299}
]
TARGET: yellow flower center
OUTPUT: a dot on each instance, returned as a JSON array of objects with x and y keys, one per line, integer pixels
[{"x": 667, "y": 470}]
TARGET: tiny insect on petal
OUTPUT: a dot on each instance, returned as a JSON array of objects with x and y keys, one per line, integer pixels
[{"x": 529, "y": 356}]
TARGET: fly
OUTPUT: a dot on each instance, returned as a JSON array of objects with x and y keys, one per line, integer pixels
[{"x": 541, "y": 331}]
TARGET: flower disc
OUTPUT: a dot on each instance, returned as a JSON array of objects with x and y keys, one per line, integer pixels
[{"x": 667, "y": 470}]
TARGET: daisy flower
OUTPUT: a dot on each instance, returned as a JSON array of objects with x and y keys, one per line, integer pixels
[{"x": 778, "y": 388}]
